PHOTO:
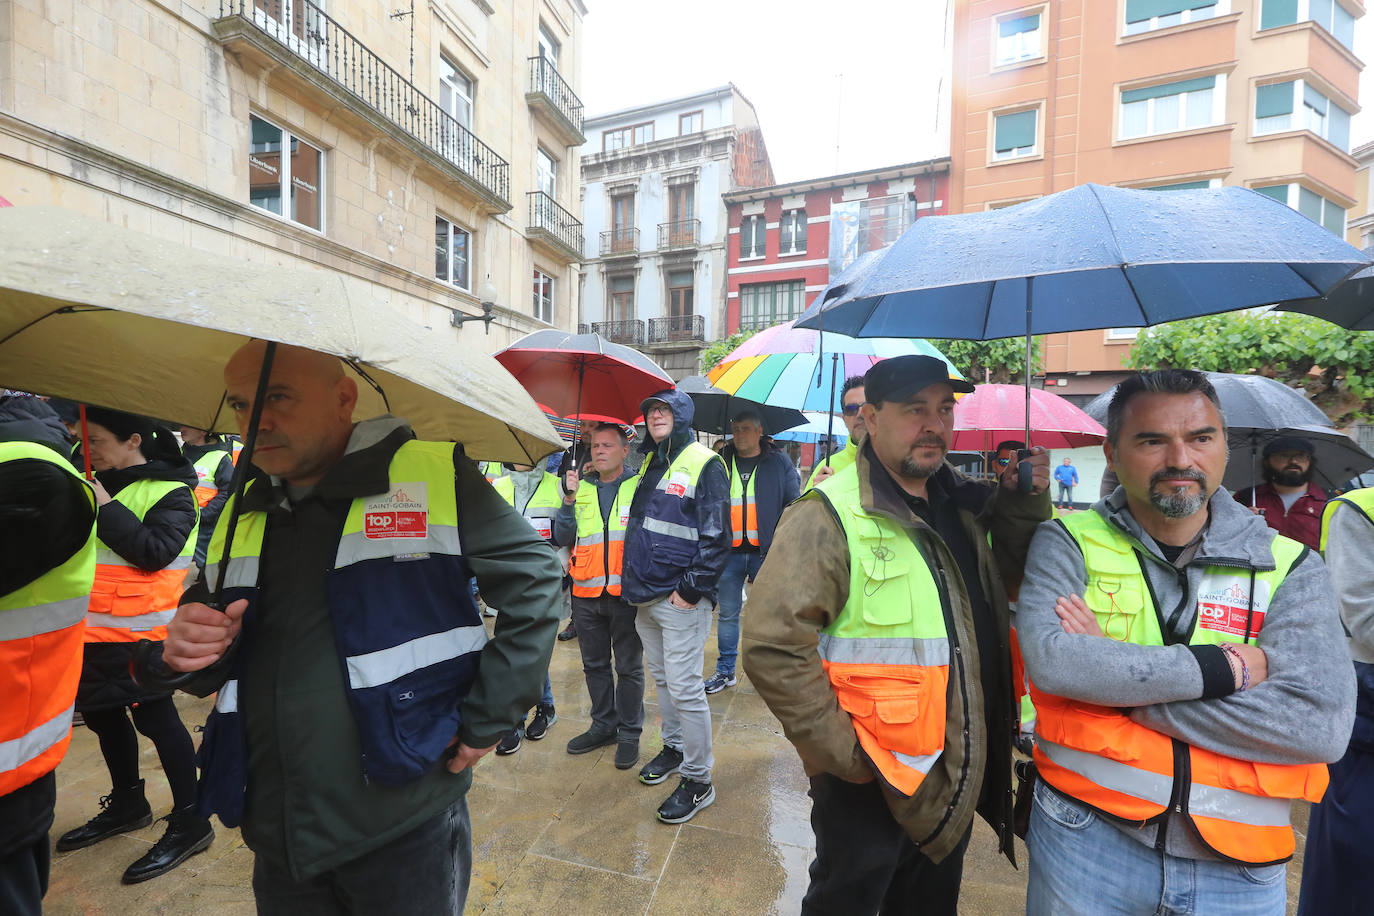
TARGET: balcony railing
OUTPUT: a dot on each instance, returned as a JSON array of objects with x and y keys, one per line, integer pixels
[
  {"x": 625, "y": 332},
  {"x": 584, "y": 329},
  {"x": 545, "y": 80},
  {"x": 759, "y": 322},
  {"x": 560, "y": 226},
  {"x": 677, "y": 328},
  {"x": 684, "y": 233},
  {"x": 619, "y": 242},
  {"x": 329, "y": 49}
]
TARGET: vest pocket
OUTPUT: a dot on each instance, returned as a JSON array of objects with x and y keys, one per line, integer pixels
[
  {"x": 423, "y": 709},
  {"x": 903, "y": 708},
  {"x": 887, "y": 588}
]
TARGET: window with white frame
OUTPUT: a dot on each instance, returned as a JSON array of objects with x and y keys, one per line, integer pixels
[
  {"x": 1014, "y": 134},
  {"x": 1122, "y": 334},
  {"x": 1297, "y": 105},
  {"x": 1201, "y": 184},
  {"x": 285, "y": 174},
  {"x": 1310, "y": 204},
  {"x": 543, "y": 296},
  {"x": 689, "y": 123},
  {"x": 546, "y": 173},
  {"x": 1148, "y": 15},
  {"x": 753, "y": 235},
  {"x": 763, "y": 305},
  {"x": 548, "y": 45},
  {"x": 455, "y": 92},
  {"x": 1328, "y": 14},
  {"x": 621, "y": 137},
  {"x": 452, "y": 252},
  {"x": 792, "y": 232},
  {"x": 1019, "y": 37},
  {"x": 1170, "y": 107}
]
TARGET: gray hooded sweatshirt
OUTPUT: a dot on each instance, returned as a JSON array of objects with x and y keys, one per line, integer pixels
[{"x": 1301, "y": 713}]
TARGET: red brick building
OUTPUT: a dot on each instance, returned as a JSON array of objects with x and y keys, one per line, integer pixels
[{"x": 786, "y": 241}]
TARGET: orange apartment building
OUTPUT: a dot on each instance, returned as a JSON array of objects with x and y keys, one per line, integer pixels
[{"x": 1159, "y": 94}]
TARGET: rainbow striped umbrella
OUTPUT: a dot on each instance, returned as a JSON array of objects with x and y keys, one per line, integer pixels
[{"x": 784, "y": 366}]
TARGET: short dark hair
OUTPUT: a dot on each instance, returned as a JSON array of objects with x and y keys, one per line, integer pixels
[
  {"x": 1159, "y": 381},
  {"x": 154, "y": 441},
  {"x": 1010, "y": 445},
  {"x": 748, "y": 415},
  {"x": 614, "y": 427},
  {"x": 854, "y": 381}
]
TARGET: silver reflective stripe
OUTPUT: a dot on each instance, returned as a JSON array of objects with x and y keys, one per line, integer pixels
[
  {"x": 595, "y": 582},
  {"x": 1240, "y": 807},
  {"x": 243, "y": 573},
  {"x": 669, "y": 528},
  {"x": 1146, "y": 785},
  {"x": 592, "y": 540},
  {"x": 922, "y": 763},
  {"x": 228, "y": 699},
  {"x": 386, "y": 665},
  {"x": 689, "y": 490},
  {"x": 356, "y": 547},
  {"x": 36, "y": 619},
  {"x": 136, "y": 624},
  {"x": 926, "y": 653},
  {"x": 736, "y": 501},
  {"x": 104, "y": 556},
  {"x": 541, "y": 511},
  {"x": 618, "y": 535},
  {"x": 615, "y": 580},
  {"x": 18, "y": 751},
  {"x": 180, "y": 563}
]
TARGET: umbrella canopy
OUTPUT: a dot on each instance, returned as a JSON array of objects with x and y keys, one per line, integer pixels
[
  {"x": 147, "y": 325},
  {"x": 994, "y": 413},
  {"x": 1089, "y": 257},
  {"x": 784, "y": 365},
  {"x": 1249, "y": 402},
  {"x": 1350, "y": 304},
  {"x": 715, "y": 408},
  {"x": 1337, "y": 457},
  {"x": 577, "y": 374},
  {"x": 817, "y": 427}
]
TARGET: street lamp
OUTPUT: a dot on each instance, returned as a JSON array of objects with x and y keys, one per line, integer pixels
[{"x": 487, "y": 294}]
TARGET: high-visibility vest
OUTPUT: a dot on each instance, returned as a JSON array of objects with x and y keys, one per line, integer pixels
[
  {"x": 406, "y": 628},
  {"x": 127, "y": 603},
  {"x": 744, "y": 515},
  {"x": 598, "y": 556},
  {"x": 491, "y": 470},
  {"x": 1362, "y": 500},
  {"x": 207, "y": 465},
  {"x": 235, "y": 448},
  {"x": 1102, "y": 758},
  {"x": 664, "y": 542},
  {"x": 544, "y": 503},
  {"x": 838, "y": 461},
  {"x": 42, "y": 625},
  {"x": 887, "y": 651}
]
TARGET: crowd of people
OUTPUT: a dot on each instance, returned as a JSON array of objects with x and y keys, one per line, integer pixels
[{"x": 1188, "y": 660}]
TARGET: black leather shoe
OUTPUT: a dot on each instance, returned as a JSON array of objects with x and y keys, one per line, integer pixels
[
  {"x": 569, "y": 632},
  {"x": 589, "y": 741},
  {"x": 187, "y": 834},
  {"x": 120, "y": 811}
]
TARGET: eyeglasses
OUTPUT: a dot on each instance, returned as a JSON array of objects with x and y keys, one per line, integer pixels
[
  {"x": 850, "y": 410},
  {"x": 658, "y": 408},
  {"x": 1001, "y": 460}
]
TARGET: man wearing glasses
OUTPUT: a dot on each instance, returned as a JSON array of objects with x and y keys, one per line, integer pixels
[{"x": 851, "y": 399}]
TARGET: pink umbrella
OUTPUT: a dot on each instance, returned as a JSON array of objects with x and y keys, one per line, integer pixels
[{"x": 993, "y": 413}]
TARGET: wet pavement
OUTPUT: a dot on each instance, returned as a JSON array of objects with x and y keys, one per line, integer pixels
[{"x": 551, "y": 832}]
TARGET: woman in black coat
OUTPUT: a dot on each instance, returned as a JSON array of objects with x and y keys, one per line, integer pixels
[{"x": 146, "y": 526}]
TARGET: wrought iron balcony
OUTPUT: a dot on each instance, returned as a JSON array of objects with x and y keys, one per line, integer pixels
[
  {"x": 684, "y": 233},
  {"x": 625, "y": 332},
  {"x": 551, "y": 96},
  {"x": 301, "y": 37},
  {"x": 554, "y": 226},
  {"x": 684, "y": 328},
  {"x": 584, "y": 329},
  {"x": 618, "y": 242}
]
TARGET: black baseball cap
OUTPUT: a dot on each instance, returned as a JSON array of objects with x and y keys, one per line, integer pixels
[
  {"x": 900, "y": 377},
  {"x": 1287, "y": 444}
]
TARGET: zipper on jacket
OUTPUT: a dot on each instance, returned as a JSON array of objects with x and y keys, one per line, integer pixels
[
  {"x": 958, "y": 657},
  {"x": 1178, "y": 793}
]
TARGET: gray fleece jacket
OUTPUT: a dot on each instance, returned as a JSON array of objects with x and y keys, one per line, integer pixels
[
  {"x": 1350, "y": 557},
  {"x": 1302, "y": 712}
]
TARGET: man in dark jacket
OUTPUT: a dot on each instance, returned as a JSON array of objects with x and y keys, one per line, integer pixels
[
  {"x": 762, "y": 484},
  {"x": 676, "y": 543},
  {"x": 1288, "y": 499},
  {"x": 329, "y": 833}
]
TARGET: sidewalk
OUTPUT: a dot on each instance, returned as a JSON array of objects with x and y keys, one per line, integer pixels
[{"x": 552, "y": 833}]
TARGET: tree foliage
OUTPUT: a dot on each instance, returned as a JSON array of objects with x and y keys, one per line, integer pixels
[
  {"x": 712, "y": 355},
  {"x": 1000, "y": 361},
  {"x": 1333, "y": 366}
]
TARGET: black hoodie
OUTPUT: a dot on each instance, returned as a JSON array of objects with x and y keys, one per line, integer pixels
[{"x": 158, "y": 539}]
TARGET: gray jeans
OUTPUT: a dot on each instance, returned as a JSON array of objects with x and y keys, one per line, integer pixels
[
  {"x": 606, "y": 628},
  {"x": 674, "y": 650},
  {"x": 423, "y": 872}
]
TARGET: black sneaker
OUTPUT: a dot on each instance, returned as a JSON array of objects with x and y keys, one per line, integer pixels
[
  {"x": 569, "y": 632},
  {"x": 687, "y": 799},
  {"x": 626, "y": 754},
  {"x": 589, "y": 741},
  {"x": 661, "y": 767},
  {"x": 511, "y": 743},
  {"x": 718, "y": 682},
  {"x": 544, "y": 716}
]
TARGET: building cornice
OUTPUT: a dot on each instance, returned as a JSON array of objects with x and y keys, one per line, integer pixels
[
  {"x": 638, "y": 111},
  {"x": 849, "y": 179}
]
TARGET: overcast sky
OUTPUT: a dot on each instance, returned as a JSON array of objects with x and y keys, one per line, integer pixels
[{"x": 838, "y": 86}]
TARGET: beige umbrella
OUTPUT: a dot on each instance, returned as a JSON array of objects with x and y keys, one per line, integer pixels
[{"x": 105, "y": 315}]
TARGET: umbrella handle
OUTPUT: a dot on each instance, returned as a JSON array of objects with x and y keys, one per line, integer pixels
[{"x": 830, "y": 414}]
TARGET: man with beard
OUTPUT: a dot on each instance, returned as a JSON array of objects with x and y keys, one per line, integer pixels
[
  {"x": 876, "y": 632},
  {"x": 1189, "y": 675},
  {"x": 1288, "y": 500}
]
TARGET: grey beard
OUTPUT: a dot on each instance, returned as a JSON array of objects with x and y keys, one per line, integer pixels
[
  {"x": 913, "y": 471},
  {"x": 1177, "y": 504}
]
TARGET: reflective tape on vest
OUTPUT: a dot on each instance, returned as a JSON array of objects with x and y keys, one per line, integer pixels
[
  {"x": 243, "y": 573},
  {"x": 228, "y": 699},
  {"x": 924, "y": 653},
  {"x": 138, "y": 624},
  {"x": 104, "y": 556},
  {"x": 671, "y": 529},
  {"x": 24, "y": 622},
  {"x": 386, "y": 665},
  {"x": 356, "y": 547},
  {"x": 18, "y": 751},
  {"x": 922, "y": 763}
]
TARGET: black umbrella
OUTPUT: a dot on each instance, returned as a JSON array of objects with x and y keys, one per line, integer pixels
[
  {"x": 1350, "y": 304},
  {"x": 1336, "y": 457},
  {"x": 715, "y": 408}
]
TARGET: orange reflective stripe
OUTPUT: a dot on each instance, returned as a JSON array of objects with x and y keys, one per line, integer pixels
[{"x": 744, "y": 522}]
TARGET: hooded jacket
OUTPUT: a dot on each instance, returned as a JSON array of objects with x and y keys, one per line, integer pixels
[
  {"x": 802, "y": 588},
  {"x": 775, "y": 486},
  {"x": 698, "y": 580},
  {"x": 223, "y": 480},
  {"x": 1301, "y": 713}
]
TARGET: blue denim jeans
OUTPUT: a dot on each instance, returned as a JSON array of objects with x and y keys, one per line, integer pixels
[
  {"x": 547, "y": 697},
  {"x": 742, "y": 565},
  {"x": 1080, "y": 864}
]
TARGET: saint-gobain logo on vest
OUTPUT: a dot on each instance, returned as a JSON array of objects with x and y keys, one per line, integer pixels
[
  {"x": 401, "y": 513},
  {"x": 1223, "y": 604}
]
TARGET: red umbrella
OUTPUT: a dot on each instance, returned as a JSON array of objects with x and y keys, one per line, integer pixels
[
  {"x": 583, "y": 375},
  {"x": 993, "y": 413}
]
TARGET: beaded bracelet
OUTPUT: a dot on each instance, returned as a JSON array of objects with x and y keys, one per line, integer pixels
[{"x": 1233, "y": 652}]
